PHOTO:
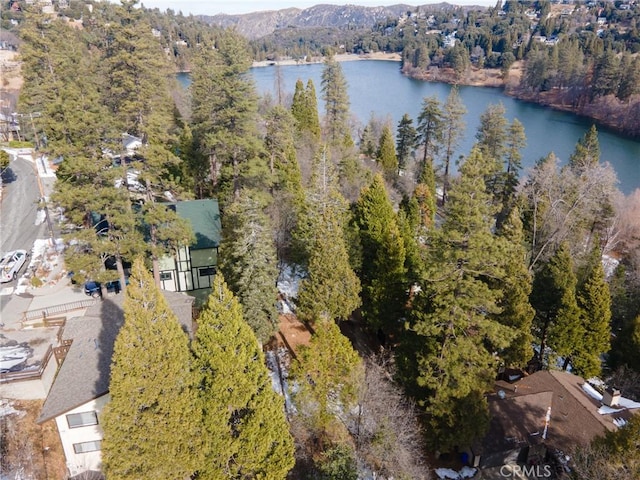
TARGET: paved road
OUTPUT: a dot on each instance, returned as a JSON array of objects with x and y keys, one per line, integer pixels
[
  {"x": 19, "y": 208},
  {"x": 20, "y": 222}
]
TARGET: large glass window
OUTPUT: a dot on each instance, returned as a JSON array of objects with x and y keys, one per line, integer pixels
[
  {"x": 82, "y": 419},
  {"x": 85, "y": 447}
]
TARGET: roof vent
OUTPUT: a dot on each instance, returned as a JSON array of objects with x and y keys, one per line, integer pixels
[{"x": 501, "y": 394}]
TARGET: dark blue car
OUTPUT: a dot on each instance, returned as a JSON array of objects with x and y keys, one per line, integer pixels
[{"x": 93, "y": 289}]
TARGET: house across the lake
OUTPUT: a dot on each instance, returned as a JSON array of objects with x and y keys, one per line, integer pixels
[{"x": 194, "y": 266}]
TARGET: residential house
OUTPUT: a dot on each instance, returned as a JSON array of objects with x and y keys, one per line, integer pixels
[
  {"x": 540, "y": 415},
  {"x": 193, "y": 266},
  {"x": 81, "y": 388}
]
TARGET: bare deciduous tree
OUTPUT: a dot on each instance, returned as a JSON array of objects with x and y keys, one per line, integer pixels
[
  {"x": 385, "y": 426},
  {"x": 567, "y": 205}
]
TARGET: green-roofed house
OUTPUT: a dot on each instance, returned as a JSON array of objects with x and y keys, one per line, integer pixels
[{"x": 194, "y": 266}]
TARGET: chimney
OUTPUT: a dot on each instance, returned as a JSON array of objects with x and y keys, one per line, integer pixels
[{"x": 611, "y": 397}]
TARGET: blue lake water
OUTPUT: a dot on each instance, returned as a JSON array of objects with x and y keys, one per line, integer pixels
[{"x": 378, "y": 87}]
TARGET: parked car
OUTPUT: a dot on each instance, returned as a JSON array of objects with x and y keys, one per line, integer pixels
[
  {"x": 11, "y": 264},
  {"x": 94, "y": 289}
]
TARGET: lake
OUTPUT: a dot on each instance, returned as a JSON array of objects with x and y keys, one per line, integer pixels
[{"x": 377, "y": 87}]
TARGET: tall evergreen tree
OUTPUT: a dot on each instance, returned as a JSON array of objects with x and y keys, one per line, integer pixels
[
  {"x": 331, "y": 289},
  {"x": 516, "y": 141},
  {"x": 405, "y": 140},
  {"x": 386, "y": 154},
  {"x": 492, "y": 132},
  {"x": 305, "y": 109},
  {"x": 630, "y": 77},
  {"x": 383, "y": 257},
  {"x": 244, "y": 430},
  {"x": 224, "y": 116},
  {"x": 313, "y": 118},
  {"x": 454, "y": 319},
  {"x": 594, "y": 301},
  {"x": 430, "y": 130},
  {"x": 453, "y": 126},
  {"x": 328, "y": 371},
  {"x": 150, "y": 422},
  {"x": 336, "y": 104},
  {"x": 516, "y": 310},
  {"x": 248, "y": 260},
  {"x": 557, "y": 321},
  {"x": 587, "y": 151},
  {"x": 492, "y": 139}
]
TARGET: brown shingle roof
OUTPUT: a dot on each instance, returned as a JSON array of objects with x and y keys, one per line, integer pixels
[
  {"x": 84, "y": 374},
  {"x": 519, "y": 418}
]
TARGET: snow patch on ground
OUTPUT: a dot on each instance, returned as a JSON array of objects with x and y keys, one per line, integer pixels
[
  {"x": 277, "y": 362},
  {"x": 448, "y": 473},
  {"x": 6, "y": 409},
  {"x": 609, "y": 264},
  {"x": 44, "y": 168},
  {"x": 288, "y": 284},
  {"x": 12, "y": 356},
  {"x": 41, "y": 216}
]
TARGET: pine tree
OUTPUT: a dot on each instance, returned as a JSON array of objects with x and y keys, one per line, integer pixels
[
  {"x": 517, "y": 311},
  {"x": 405, "y": 140},
  {"x": 328, "y": 371},
  {"x": 386, "y": 154},
  {"x": 224, "y": 118},
  {"x": 136, "y": 73},
  {"x": 331, "y": 289},
  {"x": 336, "y": 103},
  {"x": 430, "y": 130},
  {"x": 594, "y": 301},
  {"x": 454, "y": 318},
  {"x": 313, "y": 118},
  {"x": 150, "y": 422},
  {"x": 298, "y": 107},
  {"x": 244, "y": 430},
  {"x": 305, "y": 110},
  {"x": 557, "y": 320},
  {"x": 453, "y": 126},
  {"x": 383, "y": 257},
  {"x": 248, "y": 260},
  {"x": 630, "y": 77},
  {"x": 492, "y": 138},
  {"x": 587, "y": 151},
  {"x": 516, "y": 141}
]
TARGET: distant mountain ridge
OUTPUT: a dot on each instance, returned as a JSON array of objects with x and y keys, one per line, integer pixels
[{"x": 259, "y": 24}]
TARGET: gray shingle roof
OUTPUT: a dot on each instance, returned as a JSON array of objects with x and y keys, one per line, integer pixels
[{"x": 84, "y": 374}]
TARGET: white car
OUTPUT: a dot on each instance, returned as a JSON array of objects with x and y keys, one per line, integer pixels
[{"x": 11, "y": 264}]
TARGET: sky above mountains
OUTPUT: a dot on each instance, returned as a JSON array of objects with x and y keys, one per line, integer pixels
[{"x": 213, "y": 7}]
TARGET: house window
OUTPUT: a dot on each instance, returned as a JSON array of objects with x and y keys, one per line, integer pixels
[
  {"x": 82, "y": 419},
  {"x": 85, "y": 447},
  {"x": 206, "y": 272},
  {"x": 165, "y": 276}
]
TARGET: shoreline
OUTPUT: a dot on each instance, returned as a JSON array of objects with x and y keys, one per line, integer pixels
[{"x": 343, "y": 57}]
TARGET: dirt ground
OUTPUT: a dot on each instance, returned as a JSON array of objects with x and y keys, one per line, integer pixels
[
  {"x": 10, "y": 70},
  {"x": 292, "y": 333},
  {"x": 29, "y": 450}
]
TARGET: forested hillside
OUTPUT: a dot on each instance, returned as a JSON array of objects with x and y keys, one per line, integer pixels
[{"x": 418, "y": 285}]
